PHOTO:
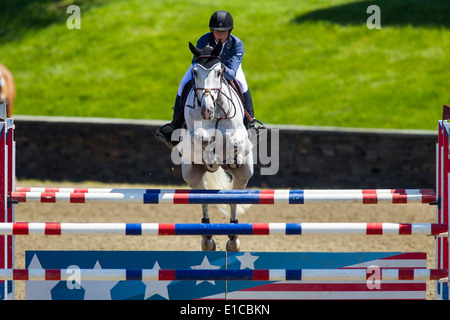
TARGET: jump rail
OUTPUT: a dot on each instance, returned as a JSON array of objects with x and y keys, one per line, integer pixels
[
  {"x": 307, "y": 191},
  {"x": 224, "y": 197},
  {"x": 386, "y": 274},
  {"x": 140, "y": 229}
]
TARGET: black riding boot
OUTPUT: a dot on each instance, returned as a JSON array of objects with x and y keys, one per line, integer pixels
[
  {"x": 248, "y": 106},
  {"x": 164, "y": 134},
  {"x": 255, "y": 127},
  {"x": 178, "y": 117}
]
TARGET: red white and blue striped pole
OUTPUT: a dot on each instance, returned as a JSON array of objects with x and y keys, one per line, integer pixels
[
  {"x": 223, "y": 197},
  {"x": 369, "y": 274},
  {"x": 138, "y": 229},
  {"x": 312, "y": 191}
]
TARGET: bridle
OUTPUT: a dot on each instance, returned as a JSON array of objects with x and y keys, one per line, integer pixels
[{"x": 207, "y": 91}]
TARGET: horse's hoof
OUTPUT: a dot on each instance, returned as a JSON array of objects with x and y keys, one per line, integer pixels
[
  {"x": 233, "y": 244},
  {"x": 211, "y": 167},
  {"x": 208, "y": 245}
]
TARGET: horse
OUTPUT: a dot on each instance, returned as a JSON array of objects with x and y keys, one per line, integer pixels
[
  {"x": 216, "y": 148},
  {"x": 8, "y": 89}
]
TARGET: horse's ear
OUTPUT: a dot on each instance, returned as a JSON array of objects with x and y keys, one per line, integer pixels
[
  {"x": 217, "y": 49},
  {"x": 194, "y": 49}
]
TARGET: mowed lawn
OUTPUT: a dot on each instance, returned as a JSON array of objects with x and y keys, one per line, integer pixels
[{"x": 307, "y": 62}]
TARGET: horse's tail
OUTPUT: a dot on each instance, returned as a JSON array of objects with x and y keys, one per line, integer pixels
[{"x": 220, "y": 180}]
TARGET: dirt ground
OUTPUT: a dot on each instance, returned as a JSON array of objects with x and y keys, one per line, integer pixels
[{"x": 128, "y": 213}]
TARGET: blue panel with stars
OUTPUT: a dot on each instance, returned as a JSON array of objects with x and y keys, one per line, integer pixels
[
  {"x": 125, "y": 290},
  {"x": 188, "y": 290}
]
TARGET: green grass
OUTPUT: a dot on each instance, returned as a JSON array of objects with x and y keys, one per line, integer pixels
[{"x": 307, "y": 62}]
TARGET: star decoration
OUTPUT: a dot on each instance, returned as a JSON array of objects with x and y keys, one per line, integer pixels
[
  {"x": 247, "y": 260},
  {"x": 156, "y": 287},
  {"x": 98, "y": 290},
  {"x": 39, "y": 290},
  {"x": 205, "y": 265}
]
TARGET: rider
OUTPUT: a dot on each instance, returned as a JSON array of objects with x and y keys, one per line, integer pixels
[{"x": 221, "y": 24}]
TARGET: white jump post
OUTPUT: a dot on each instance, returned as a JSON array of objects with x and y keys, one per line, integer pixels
[
  {"x": 7, "y": 174},
  {"x": 442, "y": 194}
]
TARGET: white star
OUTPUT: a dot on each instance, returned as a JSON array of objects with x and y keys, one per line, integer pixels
[
  {"x": 98, "y": 290},
  {"x": 205, "y": 265},
  {"x": 38, "y": 290},
  {"x": 247, "y": 260},
  {"x": 156, "y": 287}
]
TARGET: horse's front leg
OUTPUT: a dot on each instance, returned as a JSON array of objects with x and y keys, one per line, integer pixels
[
  {"x": 241, "y": 176},
  {"x": 193, "y": 175},
  {"x": 233, "y": 244},
  {"x": 208, "y": 243}
]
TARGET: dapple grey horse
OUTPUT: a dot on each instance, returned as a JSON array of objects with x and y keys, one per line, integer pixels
[{"x": 216, "y": 149}]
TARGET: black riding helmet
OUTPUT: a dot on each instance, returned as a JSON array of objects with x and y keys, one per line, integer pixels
[{"x": 221, "y": 21}]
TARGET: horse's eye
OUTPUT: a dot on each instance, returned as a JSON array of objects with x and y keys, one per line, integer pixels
[{"x": 195, "y": 72}]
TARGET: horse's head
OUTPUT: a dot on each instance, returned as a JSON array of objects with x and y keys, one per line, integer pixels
[{"x": 208, "y": 74}]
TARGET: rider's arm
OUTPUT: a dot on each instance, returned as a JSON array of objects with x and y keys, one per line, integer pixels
[{"x": 232, "y": 65}]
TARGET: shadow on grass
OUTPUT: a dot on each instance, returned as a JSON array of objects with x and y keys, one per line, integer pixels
[
  {"x": 18, "y": 17},
  {"x": 397, "y": 13}
]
